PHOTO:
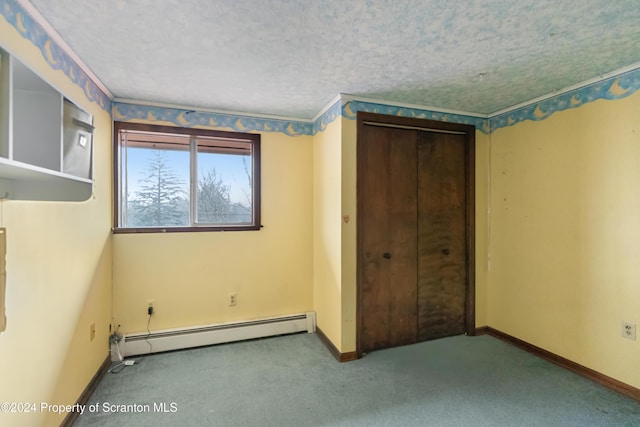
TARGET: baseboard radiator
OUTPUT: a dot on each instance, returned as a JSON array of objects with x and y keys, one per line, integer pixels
[{"x": 198, "y": 336}]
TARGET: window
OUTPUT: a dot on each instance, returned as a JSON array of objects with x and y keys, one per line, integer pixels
[{"x": 184, "y": 179}]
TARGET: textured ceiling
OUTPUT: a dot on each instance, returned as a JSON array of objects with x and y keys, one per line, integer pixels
[{"x": 292, "y": 57}]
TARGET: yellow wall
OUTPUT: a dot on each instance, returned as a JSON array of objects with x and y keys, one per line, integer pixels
[
  {"x": 565, "y": 234},
  {"x": 190, "y": 275},
  {"x": 58, "y": 276},
  {"x": 335, "y": 237},
  {"x": 482, "y": 225},
  {"x": 349, "y": 252},
  {"x": 327, "y": 217}
]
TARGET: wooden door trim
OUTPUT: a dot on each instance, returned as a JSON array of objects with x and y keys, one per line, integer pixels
[{"x": 432, "y": 126}]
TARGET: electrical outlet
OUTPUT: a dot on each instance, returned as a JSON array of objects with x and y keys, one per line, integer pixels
[
  {"x": 629, "y": 330},
  {"x": 92, "y": 331},
  {"x": 233, "y": 298},
  {"x": 149, "y": 308}
]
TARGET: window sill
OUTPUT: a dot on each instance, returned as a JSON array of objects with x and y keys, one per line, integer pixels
[{"x": 142, "y": 230}]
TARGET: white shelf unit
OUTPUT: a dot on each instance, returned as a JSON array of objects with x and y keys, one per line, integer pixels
[{"x": 45, "y": 139}]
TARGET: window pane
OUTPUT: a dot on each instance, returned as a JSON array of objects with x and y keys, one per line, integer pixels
[
  {"x": 156, "y": 190},
  {"x": 224, "y": 186},
  {"x": 172, "y": 179}
]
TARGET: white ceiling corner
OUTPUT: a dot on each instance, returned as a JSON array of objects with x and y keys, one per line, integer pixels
[{"x": 55, "y": 36}]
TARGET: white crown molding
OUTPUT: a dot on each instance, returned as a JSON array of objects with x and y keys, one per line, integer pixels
[
  {"x": 210, "y": 110},
  {"x": 326, "y": 108},
  {"x": 576, "y": 86},
  {"x": 51, "y": 32}
]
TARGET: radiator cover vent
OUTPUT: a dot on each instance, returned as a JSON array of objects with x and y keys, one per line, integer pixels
[{"x": 198, "y": 336}]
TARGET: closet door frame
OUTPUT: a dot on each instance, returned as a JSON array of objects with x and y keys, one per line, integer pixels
[{"x": 374, "y": 119}]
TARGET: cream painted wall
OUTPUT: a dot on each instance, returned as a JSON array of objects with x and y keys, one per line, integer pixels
[
  {"x": 483, "y": 183},
  {"x": 327, "y": 263},
  {"x": 565, "y": 234},
  {"x": 349, "y": 253},
  {"x": 83, "y": 355},
  {"x": 190, "y": 275},
  {"x": 58, "y": 276}
]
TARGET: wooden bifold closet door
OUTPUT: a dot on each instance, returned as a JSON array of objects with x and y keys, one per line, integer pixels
[{"x": 413, "y": 232}]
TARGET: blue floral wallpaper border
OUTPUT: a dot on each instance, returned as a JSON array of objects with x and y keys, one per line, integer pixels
[
  {"x": 190, "y": 118},
  {"x": 616, "y": 87},
  {"x": 327, "y": 117},
  {"x": 52, "y": 53},
  {"x": 350, "y": 109}
]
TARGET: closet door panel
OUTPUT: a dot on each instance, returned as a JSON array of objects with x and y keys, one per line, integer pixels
[
  {"x": 442, "y": 267},
  {"x": 388, "y": 216}
]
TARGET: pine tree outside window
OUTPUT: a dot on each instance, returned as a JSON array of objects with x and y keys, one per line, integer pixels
[{"x": 184, "y": 179}]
